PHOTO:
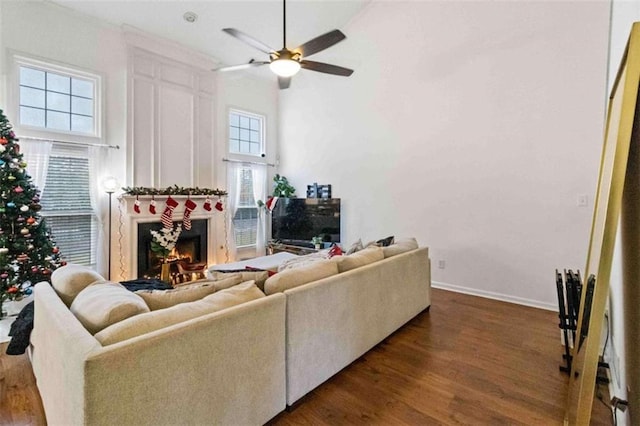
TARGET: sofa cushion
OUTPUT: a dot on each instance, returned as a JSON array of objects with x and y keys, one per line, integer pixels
[
  {"x": 103, "y": 304},
  {"x": 291, "y": 278},
  {"x": 258, "y": 276},
  {"x": 401, "y": 245},
  {"x": 360, "y": 258},
  {"x": 161, "y": 299},
  {"x": 156, "y": 320},
  {"x": 70, "y": 280}
]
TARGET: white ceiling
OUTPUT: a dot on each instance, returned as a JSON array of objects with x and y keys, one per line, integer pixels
[{"x": 261, "y": 19}]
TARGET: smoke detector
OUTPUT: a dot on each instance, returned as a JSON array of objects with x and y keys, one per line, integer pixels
[{"x": 190, "y": 17}]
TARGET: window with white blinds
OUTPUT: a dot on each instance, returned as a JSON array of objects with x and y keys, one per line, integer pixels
[
  {"x": 66, "y": 204},
  {"x": 245, "y": 221}
]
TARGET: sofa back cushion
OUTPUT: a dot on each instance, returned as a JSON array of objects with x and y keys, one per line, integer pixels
[
  {"x": 291, "y": 278},
  {"x": 258, "y": 276},
  {"x": 69, "y": 280},
  {"x": 401, "y": 245},
  {"x": 102, "y": 304},
  {"x": 156, "y": 320},
  {"x": 359, "y": 258},
  {"x": 161, "y": 299}
]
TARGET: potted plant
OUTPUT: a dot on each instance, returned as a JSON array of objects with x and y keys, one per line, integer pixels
[{"x": 317, "y": 242}]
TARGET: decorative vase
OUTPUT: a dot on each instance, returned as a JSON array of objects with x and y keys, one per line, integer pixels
[
  {"x": 318, "y": 246},
  {"x": 165, "y": 273}
]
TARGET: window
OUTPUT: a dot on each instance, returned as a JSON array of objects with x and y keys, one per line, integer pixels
[
  {"x": 246, "y": 133},
  {"x": 66, "y": 204},
  {"x": 54, "y": 98},
  {"x": 246, "y": 137},
  {"x": 245, "y": 221}
]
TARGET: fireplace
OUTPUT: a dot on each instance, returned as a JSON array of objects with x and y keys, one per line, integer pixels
[{"x": 191, "y": 248}]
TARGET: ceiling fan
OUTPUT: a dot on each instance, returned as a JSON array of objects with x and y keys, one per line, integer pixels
[{"x": 287, "y": 62}]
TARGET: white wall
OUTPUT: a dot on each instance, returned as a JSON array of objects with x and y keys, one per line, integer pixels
[{"x": 473, "y": 126}]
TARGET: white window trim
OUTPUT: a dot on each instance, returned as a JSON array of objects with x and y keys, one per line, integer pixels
[
  {"x": 260, "y": 158},
  {"x": 17, "y": 60}
]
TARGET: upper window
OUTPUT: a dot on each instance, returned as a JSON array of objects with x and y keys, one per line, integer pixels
[
  {"x": 53, "y": 99},
  {"x": 246, "y": 133}
]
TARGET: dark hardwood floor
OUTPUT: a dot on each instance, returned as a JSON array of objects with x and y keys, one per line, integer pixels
[{"x": 469, "y": 360}]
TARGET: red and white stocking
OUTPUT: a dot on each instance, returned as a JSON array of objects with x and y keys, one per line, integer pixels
[
  {"x": 167, "y": 215},
  {"x": 152, "y": 206},
  {"x": 207, "y": 204},
  {"x": 189, "y": 206},
  {"x": 219, "y": 206},
  {"x": 136, "y": 205}
]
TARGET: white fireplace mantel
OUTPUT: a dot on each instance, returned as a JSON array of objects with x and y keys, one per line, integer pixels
[{"x": 125, "y": 261}]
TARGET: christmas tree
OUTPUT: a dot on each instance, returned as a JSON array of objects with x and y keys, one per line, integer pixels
[{"x": 27, "y": 253}]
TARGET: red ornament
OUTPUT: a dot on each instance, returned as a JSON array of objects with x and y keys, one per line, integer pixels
[
  {"x": 63, "y": 263},
  {"x": 3, "y": 141},
  {"x": 55, "y": 250},
  {"x": 12, "y": 290},
  {"x": 4, "y": 275},
  {"x": 31, "y": 221},
  {"x": 46, "y": 271},
  {"x": 18, "y": 189},
  {"x": 34, "y": 269}
]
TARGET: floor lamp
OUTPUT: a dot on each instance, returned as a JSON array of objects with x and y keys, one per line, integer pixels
[{"x": 110, "y": 184}]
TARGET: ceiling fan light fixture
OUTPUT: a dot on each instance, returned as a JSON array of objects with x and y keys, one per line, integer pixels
[{"x": 285, "y": 67}]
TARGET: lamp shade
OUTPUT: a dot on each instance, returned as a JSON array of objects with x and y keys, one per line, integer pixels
[
  {"x": 285, "y": 67},
  {"x": 110, "y": 184}
]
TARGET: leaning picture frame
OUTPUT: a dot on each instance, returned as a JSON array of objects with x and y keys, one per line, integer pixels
[{"x": 616, "y": 198}]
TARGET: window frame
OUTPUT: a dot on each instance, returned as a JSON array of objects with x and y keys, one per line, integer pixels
[
  {"x": 246, "y": 251},
  {"x": 261, "y": 157},
  {"x": 20, "y": 60}
]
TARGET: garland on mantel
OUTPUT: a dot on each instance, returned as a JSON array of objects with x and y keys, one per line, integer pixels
[{"x": 173, "y": 190}]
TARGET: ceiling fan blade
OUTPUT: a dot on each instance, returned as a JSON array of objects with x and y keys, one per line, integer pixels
[
  {"x": 320, "y": 43},
  {"x": 251, "y": 64},
  {"x": 284, "y": 82},
  {"x": 249, "y": 40},
  {"x": 326, "y": 68}
]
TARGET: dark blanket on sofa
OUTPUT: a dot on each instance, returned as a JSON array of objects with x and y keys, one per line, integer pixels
[
  {"x": 21, "y": 331},
  {"x": 21, "y": 328}
]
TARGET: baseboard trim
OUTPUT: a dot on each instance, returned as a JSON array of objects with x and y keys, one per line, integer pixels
[{"x": 496, "y": 296}]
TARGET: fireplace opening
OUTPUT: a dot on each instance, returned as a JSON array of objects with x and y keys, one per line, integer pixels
[{"x": 187, "y": 259}]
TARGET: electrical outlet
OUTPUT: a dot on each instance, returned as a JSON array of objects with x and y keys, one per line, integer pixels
[{"x": 441, "y": 264}]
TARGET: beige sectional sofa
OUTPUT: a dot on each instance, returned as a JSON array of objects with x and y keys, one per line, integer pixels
[{"x": 239, "y": 365}]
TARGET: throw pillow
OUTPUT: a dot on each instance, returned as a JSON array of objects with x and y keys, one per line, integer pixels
[
  {"x": 335, "y": 250},
  {"x": 361, "y": 258},
  {"x": 156, "y": 320},
  {"x": 103, "y": 304},
  {"x": 70, "y": 280},
  {"x": 161, "y": 299},
  {"x": 385, "y": 242},
  {"x": 357, "y": 246},
  {"x": 401, "y": 245},
  {"x": 295, "y": 277}
]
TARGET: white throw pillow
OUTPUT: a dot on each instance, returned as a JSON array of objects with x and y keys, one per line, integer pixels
[{"x": 102, "y": 304}]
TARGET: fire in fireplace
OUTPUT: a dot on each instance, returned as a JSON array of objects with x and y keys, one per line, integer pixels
[{"x": 191, "y": 248}]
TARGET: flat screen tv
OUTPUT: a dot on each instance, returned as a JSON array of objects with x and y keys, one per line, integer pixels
[{"x": 296, "y": 220}]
